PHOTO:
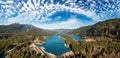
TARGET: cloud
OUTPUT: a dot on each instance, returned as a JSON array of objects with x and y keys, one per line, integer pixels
[
  {"x": 7, "y": 2},
  {"x": 48, "y": 9},
  {"x": 27, "y": 19},
  {"x": 63, "y": 24},
  {"x": 38, "y": 12}
]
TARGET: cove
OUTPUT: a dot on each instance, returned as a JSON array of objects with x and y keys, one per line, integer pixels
[
  {"x": 77, "y": 38},
  {"x": 56, "y": 45},
  {"x": 74, "y": 37}
]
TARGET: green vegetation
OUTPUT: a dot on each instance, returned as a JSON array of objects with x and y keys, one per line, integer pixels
[
  {"x": 23, "y": 51},
  {"x": 100, "y": 49},
  {"x": 107, "y": 34},
  {"x": 21, "y": 44},
  {"x": 13, "y": 29},
  {"x": 106, "y": 29},
  {"x": 18, "y": 37},
  {"x": 5, "y": 44}
]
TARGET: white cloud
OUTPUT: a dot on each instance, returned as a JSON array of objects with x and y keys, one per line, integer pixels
[
  {"x": 36, "y": 13},
  {"x": 51, "y": 1},
  {"x": 27, "y": 19},
  {"x": 24, "y": 18},
  {"x": 30, "y": 4},
  {"x": 42, "y": 1},
  {"x": 50, "y": 9},
  {"x": 44, "y": 19},
  {"x": 7, "y": 2},
  {"x": 34, "y": 1},
  {"x": 31, "y": 16},
  {"x": 64, "y": 24}
]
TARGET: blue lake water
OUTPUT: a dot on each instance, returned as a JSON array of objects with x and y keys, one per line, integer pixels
[
  {"x": 74, "y": 37},
  {"x": 56, "y": 45},
  {"x": 77, "y": 38}
]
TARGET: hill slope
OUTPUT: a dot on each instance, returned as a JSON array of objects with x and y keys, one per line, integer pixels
[
  {"x": 23, "y": 29},
  {"x": 106, "y": 29}
]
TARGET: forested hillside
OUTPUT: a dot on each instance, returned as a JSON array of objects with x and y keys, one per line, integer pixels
[
  {"x": 106, "y": 29},
  {"x": 19, "y": 37},
  {"x": 7, "y": 31}
]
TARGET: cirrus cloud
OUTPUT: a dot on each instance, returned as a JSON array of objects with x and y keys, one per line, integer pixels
[{"x": 37, "y": 12}]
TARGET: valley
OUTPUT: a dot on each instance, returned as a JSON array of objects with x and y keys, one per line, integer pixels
[{"x": 100, "y": 40}]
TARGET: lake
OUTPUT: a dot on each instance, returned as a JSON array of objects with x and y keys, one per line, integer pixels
[{"x": 56, "y": 45}]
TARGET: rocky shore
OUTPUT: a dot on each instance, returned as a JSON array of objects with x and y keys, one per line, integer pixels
[
  {"x": 40, "y": 50},
  {"x": 67, "y": 54},
  {"x": 89, "y": 40}
]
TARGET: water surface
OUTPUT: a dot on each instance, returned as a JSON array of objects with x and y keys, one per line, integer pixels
[
  {"x": 56, "y": 45},
  {"x": 74, "y": 37}
]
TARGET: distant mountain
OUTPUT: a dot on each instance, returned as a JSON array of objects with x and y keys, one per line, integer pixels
[
  {"x": 25, "y": 29},
  {"x": 106, "y": 29},
  {"x": 14, "y": 28},
  {"x": 62, "y": 30}
]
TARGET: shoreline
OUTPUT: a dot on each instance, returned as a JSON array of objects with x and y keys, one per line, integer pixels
[
  {"x": 42, "y": 51},
  {"x": 67, "y": 54},
  {"x": 47, "y": 54},
  {"x": 88, "y": 39},
  {"x": 7, "y": 52}
]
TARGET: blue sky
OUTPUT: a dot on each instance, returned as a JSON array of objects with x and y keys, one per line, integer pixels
[{"x": 57, "y": 14}]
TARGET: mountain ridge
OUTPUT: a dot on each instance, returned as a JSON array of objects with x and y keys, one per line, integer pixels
[
  {"x": 105, "y": 29},
  {"x": 7, "y": 31}
]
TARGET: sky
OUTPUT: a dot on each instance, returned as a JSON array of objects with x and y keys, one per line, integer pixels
[{"x": 58, "y": 14}]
